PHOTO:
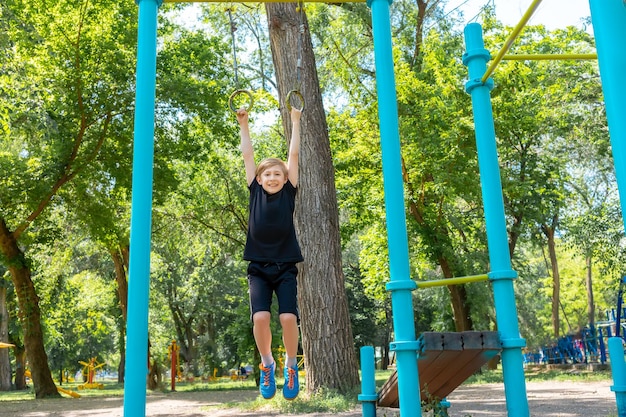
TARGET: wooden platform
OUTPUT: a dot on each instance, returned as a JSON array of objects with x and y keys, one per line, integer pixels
[{"x": 445, "y": 361}]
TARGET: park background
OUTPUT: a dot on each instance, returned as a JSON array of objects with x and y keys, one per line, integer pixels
[{"x": 67, "y": 81}]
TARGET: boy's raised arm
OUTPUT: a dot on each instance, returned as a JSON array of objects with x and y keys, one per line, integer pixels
[
  {"x": 246, "y": 145},
  {"x": 294, "y": 146}
]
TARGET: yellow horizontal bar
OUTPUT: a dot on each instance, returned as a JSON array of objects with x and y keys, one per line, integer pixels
[
  {"x": 452, "y": 281},
  {"x": 263, "y": 1},
  {"x": 540, "y": 57},
  {"x": 509, "y": 41}
]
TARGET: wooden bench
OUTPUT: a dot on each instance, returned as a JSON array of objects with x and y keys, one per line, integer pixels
[{"x": 444, "y": 361}]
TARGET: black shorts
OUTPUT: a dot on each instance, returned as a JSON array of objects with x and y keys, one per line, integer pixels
[{"x": 265, "y": 279}]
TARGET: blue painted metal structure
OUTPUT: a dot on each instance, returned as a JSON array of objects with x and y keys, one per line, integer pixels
[
  {"x": 400, "y": 284},
  {"x": 609, "y": 25},
  {"x": 609, "y": 20},
  {"x": 502, "y": 275},
  {"x": 368, "y": 396},
  {"x": 141, "y": 213}
]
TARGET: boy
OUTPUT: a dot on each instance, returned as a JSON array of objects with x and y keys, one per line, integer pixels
[{"x": 273, "y": 251}]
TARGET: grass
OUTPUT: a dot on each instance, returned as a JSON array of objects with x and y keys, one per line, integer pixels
[
  {"x": 537, "y": 374},
  {"x": 324, "y": 401},
  {"x": 115, "y": 389}
]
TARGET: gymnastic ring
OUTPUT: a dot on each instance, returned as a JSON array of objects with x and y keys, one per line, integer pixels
[
  {"x": 297, "y": 94},
  {"x": 236, "y": 93}
]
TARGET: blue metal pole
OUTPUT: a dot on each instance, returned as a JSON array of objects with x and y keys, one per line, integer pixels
[
  {"x": 400, "y": 283},
  {"x": 368, "y": 396},
  {"x": 618, "y": 369},
  {"x": 141, "y": 213},
  {"x": 501, "y": 274},
  {"x": 609, "y": 26}
]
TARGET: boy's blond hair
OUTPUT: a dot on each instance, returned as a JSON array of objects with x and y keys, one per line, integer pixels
[{"x": 271, "y": 162}]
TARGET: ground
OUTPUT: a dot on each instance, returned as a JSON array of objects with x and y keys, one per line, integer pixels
[{"x": 545, "y": 399}]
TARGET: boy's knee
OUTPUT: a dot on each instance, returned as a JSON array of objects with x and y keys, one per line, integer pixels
[
  {"x": 288, "y": 319},
  {"x": 261, "y": 317}
]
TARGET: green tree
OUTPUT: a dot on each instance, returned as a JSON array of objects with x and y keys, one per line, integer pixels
[
  {"x": 63, "y": 102},
  {"x": 535, "y": 104}
]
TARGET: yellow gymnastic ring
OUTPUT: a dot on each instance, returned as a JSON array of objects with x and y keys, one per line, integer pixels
[
  {"x": 236, "y": 93},
  {"x": 297, "y": 94}
]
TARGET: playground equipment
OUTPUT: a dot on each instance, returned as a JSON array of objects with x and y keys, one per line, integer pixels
[
  {"x": 60, "y": 389},
  {"x": 89, "y": 369},
  {"x": 590, "y": 345},
  {"x": 609, "y": 22},
  {"x": 567, "y": 350},
  {"x": 468, "y": 351},
  {"x": 173, "y": 355}
]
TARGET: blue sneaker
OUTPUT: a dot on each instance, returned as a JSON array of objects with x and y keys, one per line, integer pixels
[
  {"x": 268, "y": 382},
  {"x": 291, "y": 387}
]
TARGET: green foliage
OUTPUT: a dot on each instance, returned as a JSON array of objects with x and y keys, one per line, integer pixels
[
  {"x": 66, "y": 113},
  {"x": 78, "y": 306}
]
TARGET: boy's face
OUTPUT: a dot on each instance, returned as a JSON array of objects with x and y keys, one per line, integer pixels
[{"x": 272, "y": 180}]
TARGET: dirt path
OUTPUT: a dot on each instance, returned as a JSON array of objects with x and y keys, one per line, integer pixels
[{"x": 545, "y": 399}]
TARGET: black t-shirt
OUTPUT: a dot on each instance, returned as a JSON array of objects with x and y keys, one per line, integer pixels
[{"x": 271, "y": 233}]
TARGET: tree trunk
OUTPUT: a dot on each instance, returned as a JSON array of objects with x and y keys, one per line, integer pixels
[
  {"x": 591, "y": 308},
  {"x": 458, "y": 296},
  {"x": 5, "y": 362},
  {"x": 29, "y": 314},
  {"x": 548, "y": 231},
  {"x": 327, "y": 341},
  {"x": 120, "y": 262},
  {"x": 20, "y": 366}
]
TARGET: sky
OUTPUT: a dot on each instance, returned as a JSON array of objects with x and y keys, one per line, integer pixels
[{"x": 554, "y": 14}]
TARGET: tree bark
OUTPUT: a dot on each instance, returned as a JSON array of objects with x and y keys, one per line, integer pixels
[
  {"x": 120, "y": 262},
  {"x": 591, "y": 308},
  {"x": 458, "y": 296},
  {"x": 20, "y": 366},
  {"x": 120, "y": 258},
  {"x": 29, "y": 314},
  {"x": 548, "y": 231},
  {"x": 327, "y": 341},
  {"x": 5, "y": 362}
]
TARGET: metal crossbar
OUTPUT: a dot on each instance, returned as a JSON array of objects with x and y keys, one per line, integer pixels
[
  {"x": 452, "y": 281},
  {"x": 550, "y": 57}
]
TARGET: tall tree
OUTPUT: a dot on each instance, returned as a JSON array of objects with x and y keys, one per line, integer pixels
[
  {"x": 327, "y": 341},
  {"x": 63, "y": 99}
]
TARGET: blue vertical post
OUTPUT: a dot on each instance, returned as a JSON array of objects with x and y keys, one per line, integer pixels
[
  {"x": 400, "y": 285},
  {"x": 618, "y": 369},
  {"x": 368, "y": 396},
  {"x": 609, "y": 26},
  {"x": 141, "y": 213},
  {"x": 501, "y": 274}
]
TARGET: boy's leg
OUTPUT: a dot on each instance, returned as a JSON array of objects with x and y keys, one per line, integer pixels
[
  {"x": 263, "y": 335},
  {"x": 263, "y": 338},
  {"x": 289, "y": 322},
  {"x": 261, "y": 292},
  {"x": 291, "y": 336},
  {"x": 287, "y": 295}
]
